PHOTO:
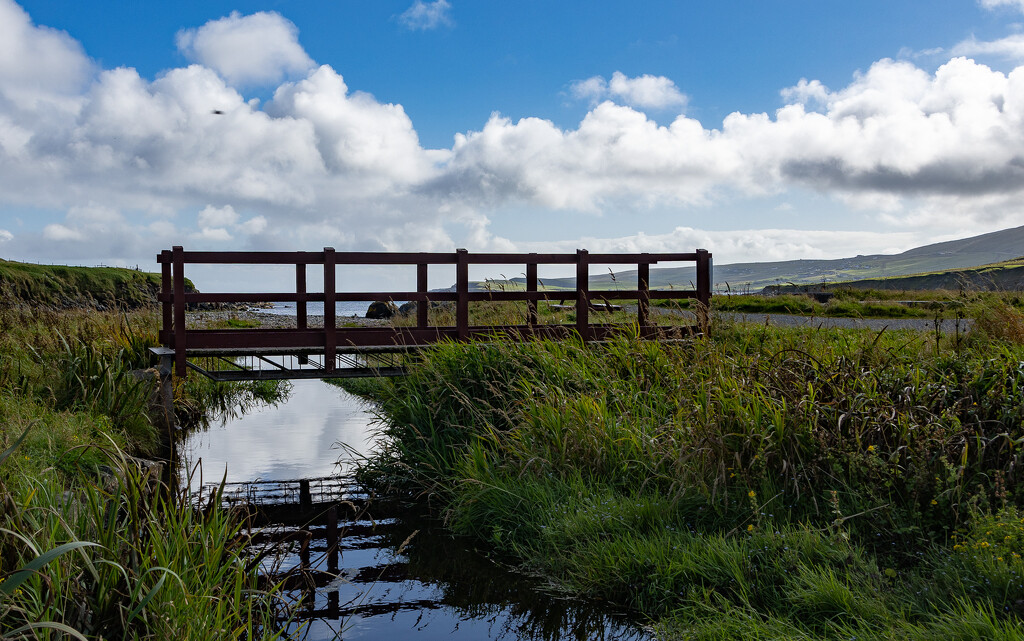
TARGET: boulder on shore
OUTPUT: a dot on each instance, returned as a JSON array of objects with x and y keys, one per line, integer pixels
[
  {"x": 382, "y": 310},
  {"x": 407, "y": 309}
]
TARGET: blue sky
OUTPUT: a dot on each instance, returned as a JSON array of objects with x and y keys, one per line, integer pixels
[{"x": 759, "y": 130}]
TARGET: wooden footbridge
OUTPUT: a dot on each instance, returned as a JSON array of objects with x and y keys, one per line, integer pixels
[{"x": 330, "y": 351}]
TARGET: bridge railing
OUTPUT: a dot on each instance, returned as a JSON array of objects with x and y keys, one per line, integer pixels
[{"x": 330, "y": 338}]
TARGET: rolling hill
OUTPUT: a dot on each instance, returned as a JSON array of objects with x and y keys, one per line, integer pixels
[{"x": 984, "y": 250}]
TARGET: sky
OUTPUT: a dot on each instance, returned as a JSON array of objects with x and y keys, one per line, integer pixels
[{"x": 757, "y": 130}]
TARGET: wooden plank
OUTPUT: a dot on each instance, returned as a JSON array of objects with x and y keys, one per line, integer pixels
[
  {"x": 330, "y": 325},
  {"x": 411, "y": 258},
  {"x": 531, "y": 288},
  {"x": 166, "y": 293},
  {"x": 179, "y": 311},
  {"x": 582, "y": 299},
  {"x": 462, "y": 289},
  {"x": 300, "y": 295},
  {"x": 422, "y": 306},
  {"x": 643, "y": 278},
  {"x": 704, "y": 287}
]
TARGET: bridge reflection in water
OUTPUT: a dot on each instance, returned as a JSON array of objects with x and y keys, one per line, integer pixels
[{"x": 356, "y": 568}]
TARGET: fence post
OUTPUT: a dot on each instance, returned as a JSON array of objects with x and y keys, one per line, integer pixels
[
  {"x": 330, "y": 326},
  {"x": 703, "y": 288},
  {"x": 582, "y": 294},
  {"x": 167, "y": 289},
  {"x": 300, "y": 289},
  {"x": 643, "y": 284},
  {"x": 179, "y": 311},
  {"x": 531, "y": 286},
  {"x": 423, "y": 306},
  {"x": 332, "y": 540},
  {"x": 462, "y": 289}
]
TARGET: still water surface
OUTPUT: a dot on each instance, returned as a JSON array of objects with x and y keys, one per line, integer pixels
[{"x": 433, "y": 587}]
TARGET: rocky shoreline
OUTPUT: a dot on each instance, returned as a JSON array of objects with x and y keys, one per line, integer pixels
[{"x": 211, "y": 319}]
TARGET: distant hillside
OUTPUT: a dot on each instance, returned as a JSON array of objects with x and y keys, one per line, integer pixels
[
  {"x": 987, "y": 249},
  {"x": 1004, "y": 276},
  {"x": 66, "y": 287}
]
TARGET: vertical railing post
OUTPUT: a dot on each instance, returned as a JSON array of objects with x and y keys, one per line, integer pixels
[
  {"x": 300, "y": 303},
  {"x": 166, "y": 289},
  {"x": 643, "y": 284},
  {"x": 300, "y": 290},
  {"x": 462, "y": 290},
  {"x": 582, "y": 294},
  {"x": 305, "y": 497},
  {"x": 703, "y": 288},
  {"x": 531, "y": 286},
  {"x": 330, "y": 326},
  {"x": 178, "y": 256},
  {"x": 422, "y": 306},
  {"x": 332, "y": 539}
]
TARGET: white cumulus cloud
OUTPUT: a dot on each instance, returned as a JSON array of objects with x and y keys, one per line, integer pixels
[
  {"x": 424, "y": 16},
  {"x": 187, "y": 156},
  {"x": 806, "y": 92},
  {"x": 992, "y": 4},
  {"x": 1011, "y": 47},
  {"x": 645, "y": 91},
  {"x": 257, "y": 49}
]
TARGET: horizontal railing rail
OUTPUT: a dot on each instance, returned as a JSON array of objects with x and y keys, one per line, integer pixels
[{"x": 175, "y": 300}]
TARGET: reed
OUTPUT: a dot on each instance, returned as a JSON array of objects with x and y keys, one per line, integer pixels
[
  {"x": 122, "y": 559},
  {"x": 91, "y": 546},
  {"x": 758, "y": 477}
]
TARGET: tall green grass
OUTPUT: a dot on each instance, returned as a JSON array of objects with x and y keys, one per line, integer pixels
[
  {"x": 122, "y": 559},
  {"x": 90, "y": 545},
  {"x": 778, "y": 482}
]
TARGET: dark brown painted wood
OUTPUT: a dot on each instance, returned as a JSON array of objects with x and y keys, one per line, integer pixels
[
  {"x": 330, "y": 340},
  {"x": 531, "y": 288},
  {"x": 643, "y": 297},
  {"x": 704, "y": 286},
  {"x": 167, "y": 310},
  {"x": 462, "y": 289},
  {"x": 330, "y": 326},
  {"x": 582, "y": 298},
  {"x": 422, "y": 305},
  {"x": 300, "y": 293},
  {"x": 180, "y": 346}
]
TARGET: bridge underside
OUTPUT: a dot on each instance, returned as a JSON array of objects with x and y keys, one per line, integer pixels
[{"x": 272, "y": 364}]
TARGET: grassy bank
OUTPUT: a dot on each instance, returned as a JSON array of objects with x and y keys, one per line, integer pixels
[
  {"x": 92, "y": 543},
  {"x": 61, "y": 287},
  {"x": 756, "y": 483}
]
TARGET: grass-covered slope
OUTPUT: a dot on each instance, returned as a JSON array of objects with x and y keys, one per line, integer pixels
[
  {"x": 61, "y": 287},
  {"x": 1006, "y": 276},
  {"x": 757, "y": 483},
  {"x": 985, "y": 249}
]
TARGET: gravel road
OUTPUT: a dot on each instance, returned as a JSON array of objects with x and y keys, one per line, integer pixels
[{"x": 875, "y": 324}]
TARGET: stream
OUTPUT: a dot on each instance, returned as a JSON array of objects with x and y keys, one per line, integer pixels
[{"x": 397, "y": 574}]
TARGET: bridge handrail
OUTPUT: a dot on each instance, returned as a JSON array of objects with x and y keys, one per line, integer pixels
[{"x": 174, "y": 299}]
